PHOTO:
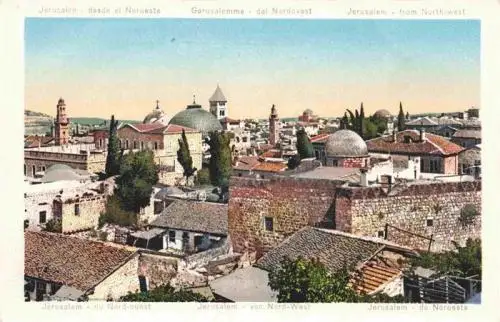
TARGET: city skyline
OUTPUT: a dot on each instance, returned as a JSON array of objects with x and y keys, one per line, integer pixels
[{"x": 122, "y": 66}]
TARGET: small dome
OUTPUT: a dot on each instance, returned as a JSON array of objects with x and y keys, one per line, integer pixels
[
  {"x": 156, "y": 115},
  {"x": 345, "y": 143},
  {"x": 308, "y": 112},
  {"x": 60, "y": 172},
  {"x": 383, "y": 113},
  {"x": 195, "y": 117}
]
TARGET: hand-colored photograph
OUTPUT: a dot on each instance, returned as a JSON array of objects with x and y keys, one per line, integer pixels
[{"x": 252, "y": 160}]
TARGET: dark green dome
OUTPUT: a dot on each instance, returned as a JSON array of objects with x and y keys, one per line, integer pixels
[{"x": 197, "y": 118}]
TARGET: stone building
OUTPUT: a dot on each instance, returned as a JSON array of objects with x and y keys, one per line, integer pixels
[
  {"x": 308, "y": 116},
  {"x": 387, "y": 117},
  {"x": 469, "y": 161},
  {"x": 191, "y": 226},
  {"x": 81, "y": 157},
  {"x": 68, "y": 268},
  {"x": 437, "y": 154},
  {"x": 163, "y": 141},
  {"x": 262, "y": 213},
  {"x": 61, "y": 124},
  {"x": 274, "y": 127},
  {"x": 467, "y": 138},
  {"x": 218, "y": 104}
]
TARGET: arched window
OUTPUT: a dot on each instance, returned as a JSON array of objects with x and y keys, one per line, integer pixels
[
  {"x": 135, "y": 145},
  {"x": 33, "y": 170},
  {"x": 156, "y": 145},
  {"x": 25, "y": 169},
  {"x": 126, "y": 144}
]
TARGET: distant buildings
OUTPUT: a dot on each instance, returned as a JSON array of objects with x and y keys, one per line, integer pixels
[{"x": 437, "y": 155}]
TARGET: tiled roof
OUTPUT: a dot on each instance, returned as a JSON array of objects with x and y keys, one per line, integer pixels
[
  {"x": 33, "y": 141},
  {"x": 468, "y": 134},
  {"x": 425, "y": 121},
  {"x": 321, "y": 138},
  {"x": 71, "y": 261},
  {"x": 159, "y": 128},
  {"x": 246, "y": 163},
  {"x": 230, "y": 120},
  {"x": 196, "y": 216},
  {"x": 372, "y": 276},
  {"x": 266, "y": 166},
  {"x": 335, "y": 250},
  {"x": 271, "y": 154},
  {"x": 434, "y": 144}
]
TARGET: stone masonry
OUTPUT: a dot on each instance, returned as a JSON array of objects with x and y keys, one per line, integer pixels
[{"x": 293, "y": 203}]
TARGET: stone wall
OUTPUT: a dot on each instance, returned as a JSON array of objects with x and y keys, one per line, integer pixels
[
  {"x": 203, "y": 258},
  {"x": 43, "y": 159},
  {"x": 119, "y": 283},
  {"x": 292, "y": 203},
  {"x": 158, "y": 269},
  {"x": 411, "y": 208},
  {"x": 90, "y": 209}
]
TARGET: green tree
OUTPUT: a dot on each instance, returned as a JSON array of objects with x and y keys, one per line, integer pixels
[
  {"x": 203, "y": 177},
  {"x": 304, "y": 280},
  {"x": 401, "y": 118},
  {"x": 134, "y": 185},
  {"x": 164, "y": 293},
  {"x": 304, "y": 146},
  {"x": 114, "y": 214},
  {"x": 293, "y": 162},
  {"x": 53, "y": 225},
  {"x": 184, "y": 157},
  {"x": 113, "y": 156},
  {"x": 220, "y": 165},
  {"x": 361, "y": 121},
  {"x": 463, "y": 261}
]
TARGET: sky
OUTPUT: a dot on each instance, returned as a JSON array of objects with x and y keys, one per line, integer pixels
[{"x": 122, "y": 66}]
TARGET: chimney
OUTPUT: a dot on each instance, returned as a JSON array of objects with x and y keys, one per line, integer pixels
[
  {"x": 364, "y": 178},
  {"x": 422, "y": 135}
]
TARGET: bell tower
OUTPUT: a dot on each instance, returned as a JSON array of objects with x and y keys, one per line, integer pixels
[
  {"x": 274, "y": 127},
  {"x": 61, "y": 124},
  {"x": 218, "y": 104}
]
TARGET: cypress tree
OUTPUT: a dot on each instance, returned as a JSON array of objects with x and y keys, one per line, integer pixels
[
  {"x": 184, "y": 157},
  {"x": 344, "y": 122},
  {"x": 220, "y": 166},
  {"x": 113, "y": 157},
  {"x": 401, "y": 118},
  {"x": 362, "y": 121},
  {"x": 304, "y": 146}
]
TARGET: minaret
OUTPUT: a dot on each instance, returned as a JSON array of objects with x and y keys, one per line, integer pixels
[
  {"x": 61, "y": 124},
  {"x": 274, "y": 127},
  {"x": 218, "y": 103}
]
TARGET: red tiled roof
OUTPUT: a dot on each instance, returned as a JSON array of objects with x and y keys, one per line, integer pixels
[
  {"x": 158, "y": 128},
  {"x": 434, "y": 144},
  {"x": 71, "y": 261},
  {"x": 174, "y": 128},
  {"x": 32, "y": 141},
  {"x": 371, "y": 276},
  {"x": 246, "y": 163},
  {"x": 141, "y": 127},
  {"x": 271, "y": 154},
  {"x": 320, "y": 138},
  {"x": 270, "y": 166}
]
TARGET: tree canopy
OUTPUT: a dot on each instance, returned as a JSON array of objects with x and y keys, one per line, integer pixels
[
  {"x": 367, "y": 128},
  {"x": 463, "y": 261},
  {"x": 304, "y": 146},
  {"x": 134, "y": 185},
  {"x": 164, "y": 293},
  {"x": 220, "y": 165},
  {"x": 113, "y": 157},
  {"x": 184, "y": 157}
]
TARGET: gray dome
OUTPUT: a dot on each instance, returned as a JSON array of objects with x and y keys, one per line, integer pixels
[
  {"x": 155, "y": 115},
  {"x": 383, "y": 113},
  {"x": 60, "y": 172},
  {"x": 345, "y": 143},
  {"x": 197, "y": 118}
]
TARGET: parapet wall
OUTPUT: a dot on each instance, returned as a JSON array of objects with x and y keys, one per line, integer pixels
[{"x": 293, "y": 203}]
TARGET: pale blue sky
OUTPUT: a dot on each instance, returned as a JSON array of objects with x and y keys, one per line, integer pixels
[{"x": 290, "y": 63}]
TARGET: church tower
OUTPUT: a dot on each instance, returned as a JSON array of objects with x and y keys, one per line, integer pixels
[
  {"x": 218, "y": 104},
  {"x": 274, "y": 127},
  {"x": 61, "y": 124}
]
